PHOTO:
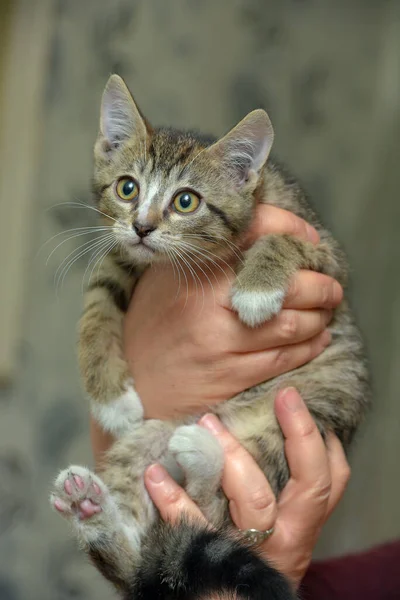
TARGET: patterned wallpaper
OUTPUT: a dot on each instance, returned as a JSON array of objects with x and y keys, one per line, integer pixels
[{"x": 326, "y": 73}]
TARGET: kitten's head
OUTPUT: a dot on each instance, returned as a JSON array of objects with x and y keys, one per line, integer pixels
[{"x": 169, "y": 193}]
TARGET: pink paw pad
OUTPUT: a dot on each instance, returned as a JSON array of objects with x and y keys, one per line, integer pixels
[
  {"x": 60, "y": 505},
  {"x": 80, "y": 483},
  {"x": 78, "y": 493},
  {"x": 87, "y": 509},
  {"x": 68, "y": 487}
]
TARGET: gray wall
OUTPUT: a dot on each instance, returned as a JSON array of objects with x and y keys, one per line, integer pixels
[{"x": 328, "y": 74}]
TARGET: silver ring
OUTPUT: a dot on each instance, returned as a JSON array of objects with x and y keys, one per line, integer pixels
[{"x": 255, "y": 536}]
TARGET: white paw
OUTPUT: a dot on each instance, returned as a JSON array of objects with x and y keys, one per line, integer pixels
[
  {"x": 197, "y": 451},
  {"x": 120, "y": 415},
  {"x": 79, "y": 493},
  {"x": 256, "y": 307}
]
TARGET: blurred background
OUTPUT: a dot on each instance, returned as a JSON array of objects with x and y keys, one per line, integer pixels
[{"x": 329, "y": 75}]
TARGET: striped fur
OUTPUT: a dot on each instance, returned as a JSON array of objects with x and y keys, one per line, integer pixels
[{"x": 126, "y": 539}]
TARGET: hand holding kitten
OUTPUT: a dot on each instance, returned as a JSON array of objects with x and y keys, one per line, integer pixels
[
  {"x": 319, "y": 475},
  {"x": 192, "y": 362}
]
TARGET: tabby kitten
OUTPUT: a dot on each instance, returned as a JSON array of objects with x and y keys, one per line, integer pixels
[{"x": 169, "y": 195}]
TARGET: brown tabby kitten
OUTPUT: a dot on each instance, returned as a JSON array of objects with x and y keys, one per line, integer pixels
[{"x": 173, "y": 196}]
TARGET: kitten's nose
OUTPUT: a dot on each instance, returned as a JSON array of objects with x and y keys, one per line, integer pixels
[{"x": 142, "y": 230}]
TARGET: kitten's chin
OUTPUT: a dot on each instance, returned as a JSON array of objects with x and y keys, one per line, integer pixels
[{"x": 141, "y": 254}]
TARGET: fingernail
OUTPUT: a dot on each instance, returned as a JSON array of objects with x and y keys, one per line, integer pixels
[
  {"x": 156, "y": 473},
  {"x": 291, "y": 399},
  {"x": 326, "y": 338},
  {"x": 312, "y": 234},
  {"x": 212, "y": 423}
]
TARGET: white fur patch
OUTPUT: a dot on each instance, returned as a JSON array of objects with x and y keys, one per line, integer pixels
[
  {"x": 197, "y": 451},
  {"x": 133, "y": 534},
  {"x": 257, "y": 307},
  {"x": 121, "y": 415},
  {"x": 144, "y": 206}
]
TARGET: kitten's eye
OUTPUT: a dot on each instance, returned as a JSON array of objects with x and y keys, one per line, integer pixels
[
  {"x": 127, "y": 189},
  {"x": 186, "y": 202}
]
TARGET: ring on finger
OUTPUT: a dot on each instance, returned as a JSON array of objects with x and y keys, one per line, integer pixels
[{"x": 255, "y": 537}]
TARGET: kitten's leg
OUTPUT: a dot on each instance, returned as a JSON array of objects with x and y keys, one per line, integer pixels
[
  {"x": 114, "y": 401},
  {"x": 111, "y": 539},
  {"x": 201, "y": 457},
  {"x": 263, "y": 280}
]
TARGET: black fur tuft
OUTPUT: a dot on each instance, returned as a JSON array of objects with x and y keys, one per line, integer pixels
[{"x": 187, "y": 561}]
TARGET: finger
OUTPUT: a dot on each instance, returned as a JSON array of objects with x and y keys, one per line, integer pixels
[
  {"x": 313, "y": 290},
  {"x": 288, "y": 327},
  {"x": 304, "y": 447},
  {"x": 168, "y": 496},
  {"x": 271, "y": 219},
  {"x": 255, "y": 367},
  {"x": 251, "y": 501},
  {"x": 340, "y": 472}
]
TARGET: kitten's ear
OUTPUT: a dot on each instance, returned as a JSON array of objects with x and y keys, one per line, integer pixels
[
  {"x": 120, "y": 118},
  {"x": 246, "y": 147}
]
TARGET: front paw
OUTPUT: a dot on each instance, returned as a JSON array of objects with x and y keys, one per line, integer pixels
[
  {"x": 121, "y": 415},
  {"x": 254, "y": 307}
]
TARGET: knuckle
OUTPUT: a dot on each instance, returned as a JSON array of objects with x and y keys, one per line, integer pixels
[
  {"x": 322, "y": 489},
  {"x": 325, "y": 294},
  {"x": 260, "y": 499},
  {"x": 289, "y": 324},
  {"x": 232, "y": 447},
  {"x": 314, "y": 348},
  {"x": 294, "y": 290},
  {"x": 296, "y": 226},
  {"x": 344, "y": 475},
  {"x": 174, "y": 496},
  {"x": 282, "y": 360},
  {"x": 307, "y": 428}
]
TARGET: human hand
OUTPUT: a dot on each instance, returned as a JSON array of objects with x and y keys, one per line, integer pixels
[
  {"x": 318, "y": 478},
  {"x": 187, "y": 352}
]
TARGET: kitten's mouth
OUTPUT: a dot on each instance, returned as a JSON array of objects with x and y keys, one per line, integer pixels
[{"x": 141, "y": 244}]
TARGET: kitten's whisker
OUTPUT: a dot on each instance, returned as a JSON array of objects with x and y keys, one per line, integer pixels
[
  {"x": 103, "y": 253},
  {"x": 90, "y": 243},
  {"x": 211, "y": 253},
  {"x": 192, "y": 273},
  {"x": 71, "y": 237},
  {"x": 65, "y": 266},
  {"x": 91, "y": 260},
  {"x": 233, "y": 247},
  {"x": 186, "y": 253},
  {"x": 202, "y": 251},
  {"x": 187, "y": 283},
  {"x": 63, "y": 272},
  {"x": 172, "y": 261},
  {"x": 78, "y": 204},
  {"x": 195, "y": 259},
  {"x": 174, "y": 265},
  {"x": 84, "y": 230}
]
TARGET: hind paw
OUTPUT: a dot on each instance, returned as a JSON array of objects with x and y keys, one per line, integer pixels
[
  {"x": 79, "y": 493},
  {"x": 197, "y": 451}
]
